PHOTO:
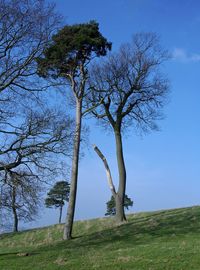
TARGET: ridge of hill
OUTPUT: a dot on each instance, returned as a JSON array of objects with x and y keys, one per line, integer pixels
[{"x": 166, "y": 239}]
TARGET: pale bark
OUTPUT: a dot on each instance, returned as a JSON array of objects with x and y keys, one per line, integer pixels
[
  {"x": 108, "y": 173},
  {"x": 74, "y": 175},
  {"x": 120, "y": 194}
]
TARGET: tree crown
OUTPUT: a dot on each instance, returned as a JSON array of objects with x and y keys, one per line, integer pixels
[
  {"x": 130, "y": 84},
  {"x": 21, "y": 191},
  {"x": 58, "y": 194},
  {"x": 111, "y": 206},
  {"x": 72, "y": 46}
]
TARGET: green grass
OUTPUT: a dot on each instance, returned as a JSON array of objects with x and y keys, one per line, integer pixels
[{"x": 159, "y": 240}]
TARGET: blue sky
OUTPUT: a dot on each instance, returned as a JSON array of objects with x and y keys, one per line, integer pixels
[{"x": 162, "y": 167}]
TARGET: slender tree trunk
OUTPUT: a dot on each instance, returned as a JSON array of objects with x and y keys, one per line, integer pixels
[
  {"x": 120, "y": 194},
  {"x": 15, "y": 225},
  {"x": 74, "y": 174},
  {"x": 14, "y": 210},
  {"x": 108, "y": 173},
  {"x": 60, "y": 216},
  {"x": 119, "y": 198}
]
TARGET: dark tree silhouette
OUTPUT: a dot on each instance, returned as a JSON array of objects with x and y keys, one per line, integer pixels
[
  {"x": 57, "y": 196},
  {"x": 20, "y": 197},
  {"x": 111, "y": 206},
  {"x": 132, "y": 91},
  {"x": 25, "y": 30},
  {"x": 31, "y": 134},
  {"x": 35, "y": 143}
]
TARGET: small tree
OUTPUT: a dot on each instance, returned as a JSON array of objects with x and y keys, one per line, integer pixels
[
  {"x": 57, "y": 195},
  {"x": 111, "y": 205},
  {"x": 20, "y": 196}
]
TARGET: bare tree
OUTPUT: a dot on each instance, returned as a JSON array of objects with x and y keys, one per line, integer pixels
[
  {"x": 32, "y": 137},
  {"x": 32, "y": 151},
  {"x": 36, "y": 142},
  {"x": 20, "y": 196},
  {"x": 26, "y": 27},
  {"x": 132, "y": 91}
]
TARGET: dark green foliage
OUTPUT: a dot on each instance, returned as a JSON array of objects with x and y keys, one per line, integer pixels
[
  {"x": 72, "y": 46},
  {"x": 111, "y": 206},
  {"x": 58, "y": 194}
]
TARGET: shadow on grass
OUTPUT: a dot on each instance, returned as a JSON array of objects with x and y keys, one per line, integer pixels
[{"x": 140, "y": 230}]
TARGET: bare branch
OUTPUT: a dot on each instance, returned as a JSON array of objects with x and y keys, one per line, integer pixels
[{"x": 108, "y": 173}]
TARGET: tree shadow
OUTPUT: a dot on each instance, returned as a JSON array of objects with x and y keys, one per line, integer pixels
[{"x": 138, "y": 231}]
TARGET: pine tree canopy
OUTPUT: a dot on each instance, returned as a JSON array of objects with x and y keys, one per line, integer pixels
[
  {"x": 71, "y": 46},
  {"x": 111, "y": 207},
  {"x": 58, "y": 194}
]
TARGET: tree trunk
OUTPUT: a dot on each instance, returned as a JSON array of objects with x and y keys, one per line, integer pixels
[
  {"x": 119, "y": 199},
  {"x": 74, "y": 174},
  {"x": 60, "y": 216},
  {"x": 15, "y": 225},
  {"x": 108, "y": 173},
  {"x": 14, "y": 210}
]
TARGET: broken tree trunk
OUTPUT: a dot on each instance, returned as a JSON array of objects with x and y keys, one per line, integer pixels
[
  {"x": 120, "y": 216},
  {"x": 108, "y": 173}
]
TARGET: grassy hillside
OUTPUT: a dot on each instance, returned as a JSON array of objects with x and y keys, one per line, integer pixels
[{"x": 155, "y": 240}]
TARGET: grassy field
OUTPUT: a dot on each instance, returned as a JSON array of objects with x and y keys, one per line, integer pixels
[{"x": 159, "y": 240}]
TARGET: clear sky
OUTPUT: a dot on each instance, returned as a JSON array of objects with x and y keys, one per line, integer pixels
[{"x": 163, "y": 168}]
